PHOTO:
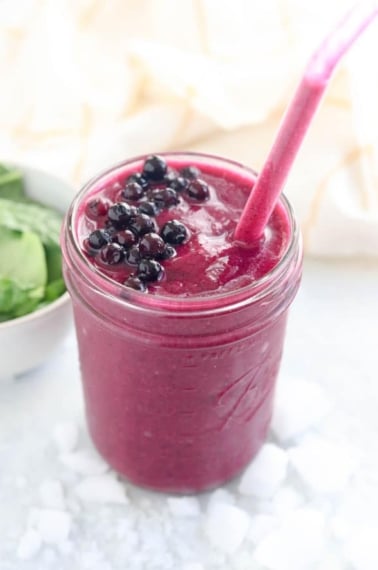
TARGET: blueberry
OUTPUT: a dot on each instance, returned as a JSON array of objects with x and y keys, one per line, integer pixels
[
  {"x": 132, "y": 191},
  {"x": 133, "y": 256},
  {"x": 179, "y": 184},
  {"x": 151, "y": 246},
  {"x": 169, "y": 252},
  {"x": 171, "y": 175},
  {"x": 125, "y": 238},
  {"x": 135, "y": 283},
  {"x": 96, "y": 208},
  {"x": 190, "y": 172},
  {"x": 112, "y": 254},
  {"x": 110, "y": 228},
  {"x": 154, "y": 168},
  {"x": 198, "y": 190},
  {"x": 165, "y": 197},
  {"x": 139, "y": 179},
  {"x": 142, "y": 224},
  {"x": 134, "y": 210},
  {"x": 97, "y": 239},
  {"x": 148, "y": 208},
  {"x": 119, "y": 215},
  {"x": 150, "y": 270},
  {"x": 174, "y": 232}
]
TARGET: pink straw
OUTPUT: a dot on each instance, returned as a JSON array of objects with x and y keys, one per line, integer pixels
[{"x": 297, "y": 119}]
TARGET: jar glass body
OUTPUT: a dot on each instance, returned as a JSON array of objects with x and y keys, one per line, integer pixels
[{"x": 179, "y": 395}]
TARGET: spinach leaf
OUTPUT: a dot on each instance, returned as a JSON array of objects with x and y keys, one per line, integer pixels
[
  {"x": 54, "y": 262},
  {"x": 15, "y": 301},
  {"x": 11, "y": 184},
  {"x": 22, "y": 259},
  {"x": 31, "y": 217},
  {"x": 54, "y": 290},
  {"x": 30, "y": 256}
]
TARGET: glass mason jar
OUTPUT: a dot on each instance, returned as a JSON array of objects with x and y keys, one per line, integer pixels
[{"x": 178, "y": 392}]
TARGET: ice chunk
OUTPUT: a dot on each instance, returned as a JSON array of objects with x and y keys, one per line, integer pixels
[
  {"x": 226, "y": 527},
  {"x": 66, "y": 547},
  {"x": 54, "y": 526},
  {"x": 92, "y": 558},
  {"x": 65, "y": 436},
  {"x": 20, "y": 482},
  {"x": 241, "y": 560},
  {"x": 184, "y": 506},
  {"x": 33, "y": 517},
  {"x": 323, "y": 466},
  {"x": 341, "y": 528},
  {"x": 362, "y": 549},
  {"x": 299, "y": 405},
  {"x": 193, "y": 566},
  {"x": 85, "y": 462},
  {"x": 48, "y": 558},
  {"x": 296, "y": 545},
  {"x": 260, "y": 526},
  {"x": 286, "y": 499},
  {"x": 221, "y": 496},
  {"x": 265, "y": 474},
  {"x": 331, "y": 562},
  {"x": 51, "y": 493},
  {"x": 29, "y": 545},
  {"x": 101, "y": 489}
]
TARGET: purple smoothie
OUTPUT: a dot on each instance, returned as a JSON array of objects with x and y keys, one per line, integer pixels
[{"x": 179, "y": 379}]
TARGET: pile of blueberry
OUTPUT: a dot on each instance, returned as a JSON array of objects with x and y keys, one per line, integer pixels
[{"x": 130, "y": 234}]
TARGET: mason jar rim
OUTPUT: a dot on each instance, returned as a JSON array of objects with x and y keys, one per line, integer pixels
[{"x": 215, "y": 303}]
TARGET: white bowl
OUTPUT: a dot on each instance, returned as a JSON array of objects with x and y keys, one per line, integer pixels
[{"x": 27, "y": 341}]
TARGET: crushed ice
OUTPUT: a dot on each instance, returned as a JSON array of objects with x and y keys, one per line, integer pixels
[{"x": 282, "y": 513}]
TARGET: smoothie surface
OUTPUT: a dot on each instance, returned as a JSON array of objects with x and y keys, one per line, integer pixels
[{"x": 208, "y": 261}]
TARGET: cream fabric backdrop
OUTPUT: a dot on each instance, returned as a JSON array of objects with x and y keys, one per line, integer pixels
[{"x": 87, "y": 82}]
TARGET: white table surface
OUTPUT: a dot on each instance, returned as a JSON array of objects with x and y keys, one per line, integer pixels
[{"x": 332, "y": 340}]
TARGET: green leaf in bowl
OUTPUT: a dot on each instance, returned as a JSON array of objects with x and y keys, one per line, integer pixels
[
  {"x": 54, "y": 262},
  {"x": 22, "y": 259},
  {"x": 54, "y": 289},
  {"x": 31, "y": 217},
  {"x": 11, "y": 184},
  {"x": 30, "y": 256},
  {"x": 16, "y": 301}
]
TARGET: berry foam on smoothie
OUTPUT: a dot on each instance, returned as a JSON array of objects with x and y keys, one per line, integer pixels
[{"x": 167, "y": 228}]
